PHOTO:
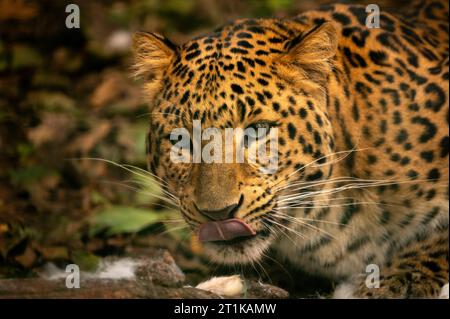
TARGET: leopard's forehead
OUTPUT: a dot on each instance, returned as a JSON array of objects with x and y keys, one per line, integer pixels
[
  {"x": 229, "y": 69},
  {"x": 236, "y": 49},
  {"x": 246, "y": 36}
]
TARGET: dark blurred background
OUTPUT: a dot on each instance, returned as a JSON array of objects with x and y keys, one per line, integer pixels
[{"x": 65, "y": 95}]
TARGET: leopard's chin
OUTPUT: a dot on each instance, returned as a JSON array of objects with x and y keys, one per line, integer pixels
[{"x": 238, "y": 251}]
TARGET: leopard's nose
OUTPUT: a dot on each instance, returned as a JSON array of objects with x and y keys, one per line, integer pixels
[
  {"x": 220, "y": 214},
  {"x": 224, "y": 213}
]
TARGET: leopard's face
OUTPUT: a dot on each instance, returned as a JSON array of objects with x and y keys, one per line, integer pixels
[{"x": 241, "y": 77}]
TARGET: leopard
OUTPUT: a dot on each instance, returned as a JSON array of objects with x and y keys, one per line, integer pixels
[{"x": 361, "y": 114}]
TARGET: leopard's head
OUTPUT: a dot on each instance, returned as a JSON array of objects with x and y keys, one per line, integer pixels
[{"x": 249, "y": 74}]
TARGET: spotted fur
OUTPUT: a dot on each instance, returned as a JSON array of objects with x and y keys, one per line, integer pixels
[{"x": 359, "y": 107}]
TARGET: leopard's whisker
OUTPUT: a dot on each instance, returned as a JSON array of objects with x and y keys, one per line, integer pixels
[
  {"x": 314, "y": 183},
  {"x": 343, "y": 188},
  {"x": 329, "y": 181},
  {"x": 348, "y": 152},
  {"x": 304, "y": 223},
  {"x": 277, "y": 230},
  {"x": 141, "y": 183},
  {"x": 175, "y": 220},
  {"x": 128, "y": 168},
  {"x": 262, "y": 267},
  {"x": 362, "y": 181},
  {"x": 145, "y": 172},
  {"x": 294, "y": 218},
  {"x": 287, "y": 228},
  {"x": 325, "y": 200},
  {"x": 299, "y": 205},
  {"x": 278, "y": 263},
  {"x": 137, "y": 190},
  {"x": 167, "y": 231}
]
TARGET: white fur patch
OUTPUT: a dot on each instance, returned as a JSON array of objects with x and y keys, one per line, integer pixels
[
  {"x": 344, "y": 291},
  {"x": 229, "y": 286},
  {"x": 117, "y": 269},
  {"x": 444, "y": 292}
]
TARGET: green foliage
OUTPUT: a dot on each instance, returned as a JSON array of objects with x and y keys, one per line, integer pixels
[
  {"x": 123, "y": 219},
  {"x": 25, "y": 150},
  {"x": 134, "y": 140},
  {"x": 149, "y": 190},
  {"x": 86, "y": 261},
  {"x": 25, "y": 57},
  {"x": 30, "y": 175},
  {"x": 275, "y": 5}
]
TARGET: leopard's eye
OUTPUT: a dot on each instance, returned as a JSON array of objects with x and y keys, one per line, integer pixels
[
  {"x": 174, "y": 139},
  {"x": 180, "y": 139},
  {"x": 256, "y": 131}
]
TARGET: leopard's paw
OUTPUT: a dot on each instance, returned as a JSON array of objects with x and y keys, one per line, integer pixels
[
  {"x": 345, "y": 290},
  {"x": 227, "y": 286},
  {"x": 444, "y": 292}
]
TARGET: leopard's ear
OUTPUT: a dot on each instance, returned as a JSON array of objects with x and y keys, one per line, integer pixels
[
  {"x": 312, "y": 51},
  {"x": 152, "y": 55}
]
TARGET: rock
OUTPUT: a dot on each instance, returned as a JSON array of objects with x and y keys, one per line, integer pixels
[
  {"x": 160, "y": 269},
  {"x": 153, "y": 275},
  {"x": 94, "y": 288},
  {"x": 258, "y": 290}
]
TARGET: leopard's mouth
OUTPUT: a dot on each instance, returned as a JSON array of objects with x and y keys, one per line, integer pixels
[
  {"x": 236, "y": 242},
  {"x": 245, "y": 244},
  {"x": 239, "y": 250},
  {"x": 233, "y": 235},
  {"x": 229, "y": 230}
]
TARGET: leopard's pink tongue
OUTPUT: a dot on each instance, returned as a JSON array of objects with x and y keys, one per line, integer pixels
[{"x": 224, "y": 230}]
